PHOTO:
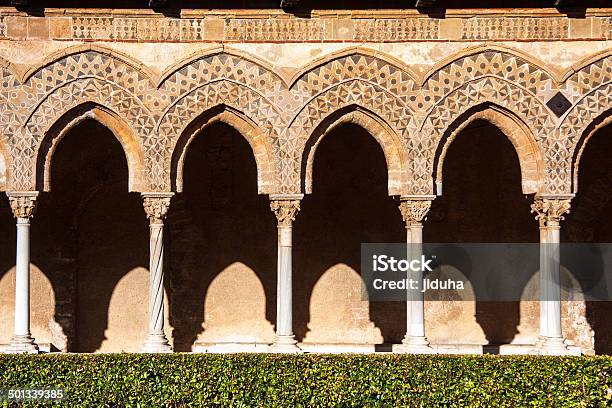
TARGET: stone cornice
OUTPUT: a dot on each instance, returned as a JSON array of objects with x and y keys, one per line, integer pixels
[{"x": 322, "y": 25}]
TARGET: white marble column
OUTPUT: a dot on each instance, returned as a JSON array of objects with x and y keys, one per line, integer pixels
[
  {"x": 414, "y": 212},
  {"x": 23, "y": 205},
  {"x": 156, "y": 206},
  {"x": 549, "y": 213},
  {"x": 285, "y": 208}
]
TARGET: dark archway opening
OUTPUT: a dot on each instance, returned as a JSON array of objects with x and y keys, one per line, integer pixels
[
  {"x": 89, "y": 233},
  {"x": 589, "y": 221},
  {"x": 222, "y": 246},
  {"x": 349, "y": 205},
  {"x": 482, "y": 202}
]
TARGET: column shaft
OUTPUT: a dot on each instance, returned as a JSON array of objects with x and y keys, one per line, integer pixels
[
  {"x": 156, "y": 207},
  {"x": 22, "y": 278},
  {"x": 549, "y": 213},
  {"x": 23, "y": 205},
  {"x": 416, "y": 306},
  {"x": 415, "y": 341},
  {"x": 553, "y": 289},
  {"x": 284, "y": 287},
  {"x": 285, "y": 210}
]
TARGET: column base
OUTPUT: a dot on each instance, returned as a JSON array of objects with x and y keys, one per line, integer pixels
[
  {"x": 414, "y": 345},
  {"x": 156, "y": 343},
  {"x": 285, "y": 344},
  {"x": 22, "y": 344},
  {"x": 552, "y": 346}
]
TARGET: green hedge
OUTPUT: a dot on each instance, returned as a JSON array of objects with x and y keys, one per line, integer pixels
[{"x": 249, "y": 380}]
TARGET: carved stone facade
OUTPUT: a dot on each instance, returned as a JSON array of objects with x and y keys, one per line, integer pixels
[
  {"x": 417, "y": 100},
  {"x": 283, "y": 81}
]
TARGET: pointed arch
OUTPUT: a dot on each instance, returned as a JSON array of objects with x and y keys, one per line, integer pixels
[
  {"x": 64, "y": 53},
  {"x": 584, "y": 63},
  {"x": 458, "y": 60},
  {"x": 604, "y": 119},
  {"x": 260, "y": 113},
  {"x": 359, "y": 51},
  {"x": 194, "y": 57},
  {"x": 262, "y": 151},
  {"x": 388, "y": 140},
  {"x": 529, "y": 154},
  {"x": 385, "y": 106},
  {"x": 222, "y": 64},
  {"x": 111, "y": 120},
  {"x": 526, "y": 108}
]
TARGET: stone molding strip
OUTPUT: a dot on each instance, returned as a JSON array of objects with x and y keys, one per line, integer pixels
[{"x": 321, "y": 26}]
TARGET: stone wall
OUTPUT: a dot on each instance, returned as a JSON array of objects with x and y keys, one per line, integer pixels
[{"x": 282, "y": 82}]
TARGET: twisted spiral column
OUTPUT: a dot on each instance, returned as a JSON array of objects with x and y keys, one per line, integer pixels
[{"x": 156, "y": 206}]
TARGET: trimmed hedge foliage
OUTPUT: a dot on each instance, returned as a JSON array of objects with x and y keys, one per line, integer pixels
[{"x": 265, "y": 380}]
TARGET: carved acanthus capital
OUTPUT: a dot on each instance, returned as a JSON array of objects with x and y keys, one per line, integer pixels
[
  {"x": 285, "y": 211},
  {"x": 550, "y": 210},
  {"x": 156, "y": 207},
  {"x": 414, "y": 211},
  {"x": 23, "y": 204}
]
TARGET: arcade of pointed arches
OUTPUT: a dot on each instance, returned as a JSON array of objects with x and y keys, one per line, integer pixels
[{"x": 414, "y": 118}]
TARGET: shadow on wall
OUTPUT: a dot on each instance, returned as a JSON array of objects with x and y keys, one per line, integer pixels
[
  {"x": 349, "y": 205},
  {"x": 44, "y": 327},
  {"x": 91, "y": 236},
  {"x": 222, "y": 256},
  {"x": 590, "y": 221},
  {"x": 482, "y": 201}
]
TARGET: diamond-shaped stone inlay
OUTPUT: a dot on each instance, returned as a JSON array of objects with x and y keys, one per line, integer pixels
[{"x": 559, "y": 104}]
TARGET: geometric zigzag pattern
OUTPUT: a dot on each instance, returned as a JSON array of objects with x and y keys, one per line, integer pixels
[{"x": 419, "y": 110}]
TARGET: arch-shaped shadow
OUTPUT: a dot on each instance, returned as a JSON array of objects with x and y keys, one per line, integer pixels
[
  {"x": 589, "y": 222},
  {"x": 45, "y": 328},
  {"x": 349, "y": 205},
  {"x": 220, "y": 223},
  {"x": 89, "y": 232},
  {"x": 483, "y": 202}
]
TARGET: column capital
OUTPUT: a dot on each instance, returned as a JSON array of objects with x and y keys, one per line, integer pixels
[
  {"x": 156, "y": 206},
  {"x": 23, "y": 203},
  {"x": 549, "y": 211},
  {"x": 285, "y": 211},
  {"x": 414, "y": 211}
]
